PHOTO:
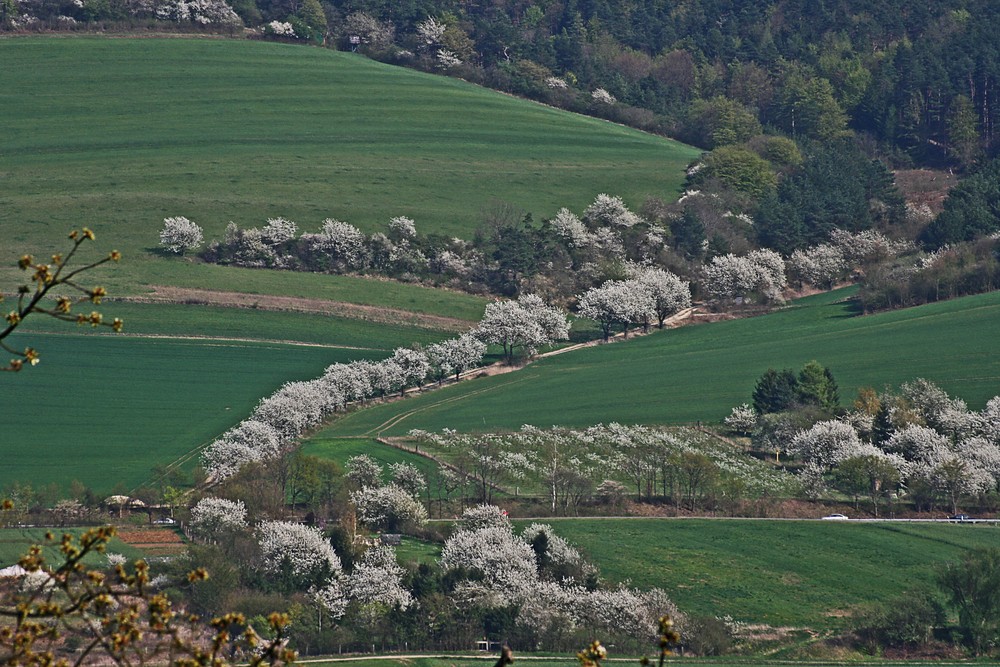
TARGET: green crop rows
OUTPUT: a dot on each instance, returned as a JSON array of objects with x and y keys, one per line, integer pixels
[{"x": 105, "y": 410}]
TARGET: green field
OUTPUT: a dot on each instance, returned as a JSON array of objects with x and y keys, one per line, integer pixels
[
  {"x": 797, "y": 573},
  {"x": 190, "y": 320},
  {"x": 15, "y": 542},
  {"x": 119, "y": 133},
  {"x": 699, "y": 372},
  {"x": 105, "y": 409}
]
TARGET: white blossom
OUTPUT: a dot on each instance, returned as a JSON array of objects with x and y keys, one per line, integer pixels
[
  {"x": 402, "y": 227},
  {"x": 115, "y": 559},
  {"x": 369, "y": 30},
  {"x": 609, "y": 211},
  {"x": 602, "y": 96},
  {"x": 203, "y": 12},
  {"x": 345, "y": 244},
  {"x": 408, "y": 478},
  {"x": 608, "y": 241},
  {"x": 280, "y": 28},
  {"x": 331, "y": 596},
  {"x": 447, "y": 59},
  {"x": 449, "y": 263},
  {"x": 867, "y": 246},
  {"x": 557, "y": 549},
  {"x": 212, "y": 518},
  {"x": 931, "y": 402},
  {"x": 554, "y": 323},
  {"x": 364, "y": 471},
  {"x": 278, "y": 231},
  {"x": 249, "y": 441},
  {"x": 504, "y": 562},
  {"x": 821, "y": 265},
  {"x": 526, "y": 323},
  {"x": 484, "y": 516},
  {"x": 456, "y": 355},
  {"x": 619, "y": 302},
  {"x": 302, "y": 548},
  {"x": 377, "y": 579},
  {"x": 826, "y": 443},
  {"x": 413, "y": 364},
  {"x": 224, "y": 458},
  {"x": 917, "y": 443},
  {"x": 556, "y": 83},
  {"x": 670, "y": 294},
  {"x": 742, "y": 419},
  {"x": 567, "y": 225},
  {"x": 350, "y": 381},
  {"x": 296, "y": 406},
  {"x": 180, "y": 235},
  {"x": 386, "y": 376},
  {"x": 387, "y": 507},
  {"x": 759, "y": 273},
  {"x": 431, "y": 31}
]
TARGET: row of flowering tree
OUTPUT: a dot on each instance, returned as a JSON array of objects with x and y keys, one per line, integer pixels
[
  {"x": 279, "y": 420},
  {"x": 553, "y": 593},
  {"x": 649, "y": 294},
  {"x": 299, "y": 558},
  {"x": 568, "y": 254},
  {"x": 576, "y": 247},
  {"x": 574, "y": 466},
  {"x": 921, "y": 443},
  {"x": 548, "y": 595}
]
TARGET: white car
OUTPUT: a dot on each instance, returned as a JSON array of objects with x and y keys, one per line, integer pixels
[
  {"x": 164, "y": 522},
  {"x": 836, "y": 517}
]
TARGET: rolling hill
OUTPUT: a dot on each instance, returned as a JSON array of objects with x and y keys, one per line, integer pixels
[
  {"x": 697, "y": 373},
  {"x": 119, "y": 133}
]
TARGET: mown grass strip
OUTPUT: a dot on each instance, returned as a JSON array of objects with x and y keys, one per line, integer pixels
[{"x": 196, "y": 320}]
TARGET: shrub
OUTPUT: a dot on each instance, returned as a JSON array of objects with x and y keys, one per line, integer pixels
[{"x": 180, "y": 235}]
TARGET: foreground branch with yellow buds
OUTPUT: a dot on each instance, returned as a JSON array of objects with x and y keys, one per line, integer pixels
[
  {"x": 116, "y": 618},
  {"x": 47, "y": 277}
]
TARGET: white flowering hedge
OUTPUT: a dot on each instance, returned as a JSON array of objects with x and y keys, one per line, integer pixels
[
  {"x": 505, "y": 572},
  {"x": 280, "y": 419},
  {"x": 563, "y": 461},
  {"x": 931, "y": 443}
]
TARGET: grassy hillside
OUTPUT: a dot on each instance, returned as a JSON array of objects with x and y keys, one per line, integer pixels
[
  {"x": 105, "y": 409},
  {"x": 799, "y": 573},
  {"x": 700, "y": 372},
  {"x": 119, "y": 133}
]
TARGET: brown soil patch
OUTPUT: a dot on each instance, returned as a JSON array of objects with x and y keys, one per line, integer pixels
[
  {"x": 154, "y": 541},
  {"x": 150, "y": 536},
  {"x": 165, "y": 294},
  {"x": 925, "y": 186}
]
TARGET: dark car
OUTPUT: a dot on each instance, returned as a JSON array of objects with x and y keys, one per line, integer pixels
[{"x": 959, "y": 518}]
